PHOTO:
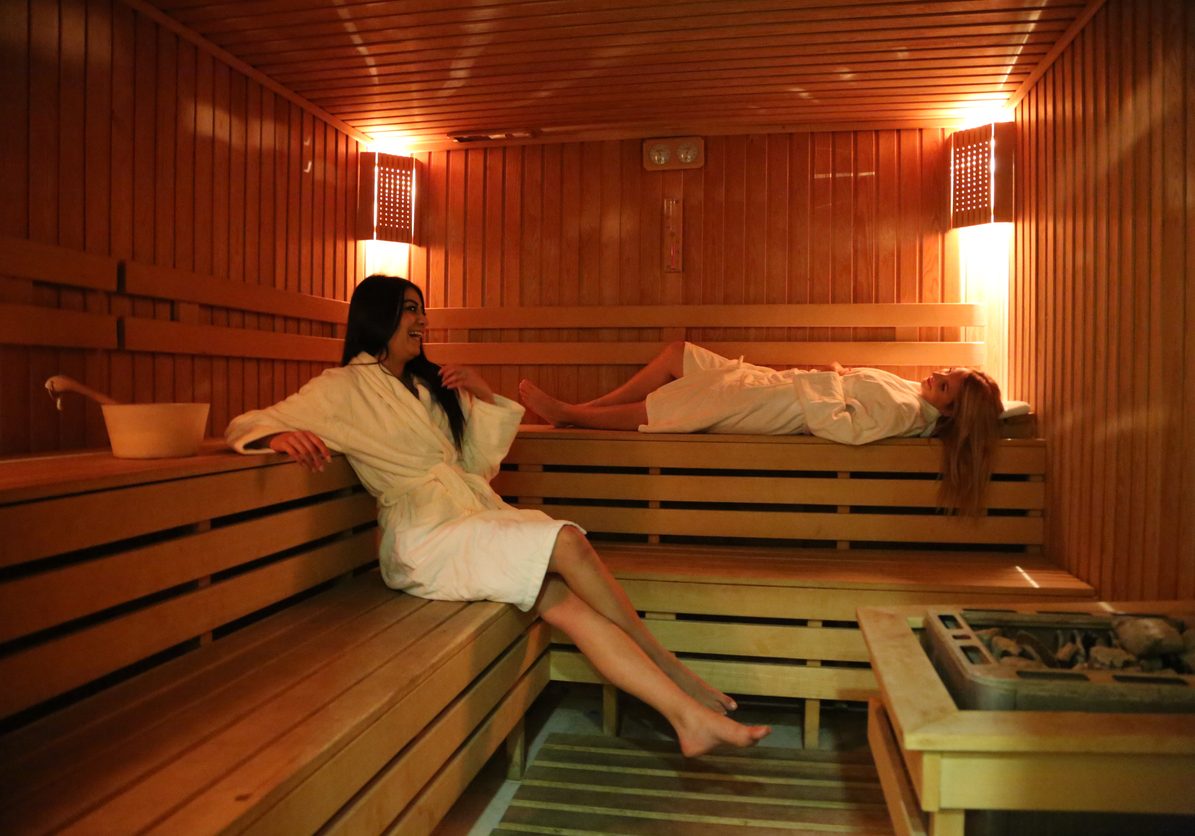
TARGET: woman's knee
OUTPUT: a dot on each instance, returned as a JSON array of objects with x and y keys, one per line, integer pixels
[
  {"x": 674, "y": 358},
  {"x": 571, "y": 549}
]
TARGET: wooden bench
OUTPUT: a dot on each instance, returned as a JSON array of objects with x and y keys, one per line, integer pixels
[
  {"x": 749, "y": 555},
  {"x": 203, "y": 645}
]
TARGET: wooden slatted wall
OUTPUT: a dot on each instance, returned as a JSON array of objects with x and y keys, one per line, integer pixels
[
  {"x": 804, "y": 217},
  {"x": 120, "y": 138},
  {"x": 1103, "y": 299}
]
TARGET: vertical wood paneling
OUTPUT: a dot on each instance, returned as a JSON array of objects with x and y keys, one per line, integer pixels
[
  {"x": 123, "y": 140},
  {"x": 15, "y": 128},
  {"x": 1103, "y": 246},
  {"x": 781, "y": 218},
  {"x": 1182, "y": 484}
]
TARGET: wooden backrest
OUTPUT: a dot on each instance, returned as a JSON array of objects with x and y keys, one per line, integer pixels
[
  {"x": 22, "y": 323},
  {"x": 875, "y": 334},
  {"x": 799, "y": 490},
  {"x": 105, "y": 564},
  {"x": 901, "y": 336},
  {"x": 40, "y": 325}
]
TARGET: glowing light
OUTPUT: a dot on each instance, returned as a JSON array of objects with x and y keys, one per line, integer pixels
[
  {"x": 983, "y": 275},
  {"x": 986, "y": 114},
  {"x": 390, "y": 258},
  {"x": 1027, "y": 577},
  {"x": 400, "y": 147}
]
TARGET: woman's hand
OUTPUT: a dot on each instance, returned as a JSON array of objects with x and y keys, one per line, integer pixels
[
  {"x": 465, "y": 379},
  {"x": 838, "y": 367},
  {"x": 307, "y": 448}
]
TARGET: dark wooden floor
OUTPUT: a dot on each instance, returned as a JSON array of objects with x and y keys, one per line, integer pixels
[{"x": 594, "y": 784}]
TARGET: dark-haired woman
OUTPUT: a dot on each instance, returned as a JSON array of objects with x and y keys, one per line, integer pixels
[
  {"x": 687, "y": 388},
  {"x": 425, "y": 441}
]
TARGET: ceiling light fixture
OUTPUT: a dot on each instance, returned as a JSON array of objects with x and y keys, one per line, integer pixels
[{"x": 480, "y": 135}]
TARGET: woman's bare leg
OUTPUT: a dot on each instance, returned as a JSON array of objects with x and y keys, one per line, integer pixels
[
  {"x": 665, "y": 367},
  {"x": 574, "y": 559},
  {"x": 621, "y": 409},
  {"x": 627, "y": 416},
  {"x": 624, "y": 664}
]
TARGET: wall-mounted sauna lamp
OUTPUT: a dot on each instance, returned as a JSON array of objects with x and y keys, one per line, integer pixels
[
  {"x": 673, "y": 152},
  {"x": 386, "y": 198},
  {"x": 981, "y": 174}
]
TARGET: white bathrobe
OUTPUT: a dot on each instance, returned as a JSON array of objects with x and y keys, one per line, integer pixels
[
  {"x": 445, "y": 533},
  {"x": 719, "y": 395}
]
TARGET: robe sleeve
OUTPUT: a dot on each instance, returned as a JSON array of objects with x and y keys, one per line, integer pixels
[
  {"x": 833, "y": 414},
  {"x": 490, "y": 429},
  {"x": 311, "y": 409}
]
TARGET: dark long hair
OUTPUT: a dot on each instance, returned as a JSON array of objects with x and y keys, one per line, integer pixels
[{"x": 374, "y": 312}]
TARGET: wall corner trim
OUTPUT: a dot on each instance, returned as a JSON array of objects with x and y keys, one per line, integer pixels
[
  {"x": 1069, "y": 35},
  {"x": 185, "y": 32}
]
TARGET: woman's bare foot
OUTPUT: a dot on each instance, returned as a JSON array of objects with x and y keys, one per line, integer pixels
[
  {"x": 704, "y": 693},
  {"x": 704, "y": 730},
  {"x": 695, "y": 686},
  {"x": 543, "y": 404}
]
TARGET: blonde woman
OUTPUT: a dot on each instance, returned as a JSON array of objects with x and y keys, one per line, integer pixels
[{"x": 687, "y": 388}]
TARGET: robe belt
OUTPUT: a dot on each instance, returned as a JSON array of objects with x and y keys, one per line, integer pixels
[{"x": 449, "y": 477}]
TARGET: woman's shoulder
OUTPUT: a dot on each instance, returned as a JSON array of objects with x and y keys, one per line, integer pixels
[{"x": 335, "y": 378}]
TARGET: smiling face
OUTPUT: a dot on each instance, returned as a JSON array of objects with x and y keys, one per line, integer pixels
[
  {"x": 407, "y": 339},
  {"x": 941, "y": 388}
]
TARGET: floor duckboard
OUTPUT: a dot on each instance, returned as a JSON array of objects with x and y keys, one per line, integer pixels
[{"x": 594, "y": 784}]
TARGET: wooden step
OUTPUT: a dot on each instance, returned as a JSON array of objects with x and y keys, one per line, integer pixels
[{"x": 591, "y": 784}]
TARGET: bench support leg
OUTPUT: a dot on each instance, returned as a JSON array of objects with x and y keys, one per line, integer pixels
[
  {"x": 813, "y": 724},
  {"x": 947, "y": 823},
  {"x": 610, "y": 710},
  {"x": 516, "y": 751}
]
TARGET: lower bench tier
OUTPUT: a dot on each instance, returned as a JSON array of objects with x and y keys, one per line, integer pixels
[
  {"x": 761, "y": 622},
  {"x": 355, "y": 710}
]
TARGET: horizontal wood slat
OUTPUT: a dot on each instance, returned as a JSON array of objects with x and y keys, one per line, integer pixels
[
  {"x": 35, "y": 530},
  {"x": 38, "y": 477},
  {"x": 62, "y": 594},
  {"x": 216, "y": 341},
  {"x": 753, "y": 489},
  {"x": 56, "y": 666},
  {"x": 36, "y": 325},
  {"x": 875, "y": 353},
  {"x": 760, "y": 568},
  {"x": 861, "y": 314},
  {"x": 833, "y": 602},
  {"x": 774, "y": 679},
  {"x": 181, "y": 286},
  {"x": 611, "y": 449},
  {"x": 24, "y": 259},
  {"x": 800, "y": 526},
  {"x": 773, "y": 641}
]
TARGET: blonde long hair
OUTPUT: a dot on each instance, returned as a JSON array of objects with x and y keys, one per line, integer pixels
[{"x": 969, "y": 436}]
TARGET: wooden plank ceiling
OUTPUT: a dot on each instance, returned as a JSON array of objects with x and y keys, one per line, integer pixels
[{"x": 417, "y": 72}]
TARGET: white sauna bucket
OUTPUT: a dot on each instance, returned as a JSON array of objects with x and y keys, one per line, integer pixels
[{"x": 142, "y": 431}]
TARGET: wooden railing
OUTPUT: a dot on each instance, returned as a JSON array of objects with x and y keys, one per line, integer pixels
[{"x": 460, "y": 335}]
